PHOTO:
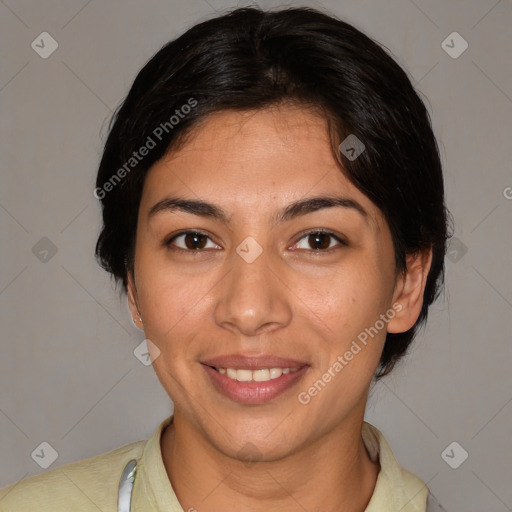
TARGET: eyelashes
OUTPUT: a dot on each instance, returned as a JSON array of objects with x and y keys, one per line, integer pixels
[
  {"x": 195, "y": 237},
  {"x": 195, "y": 242},
  {"x": 320, "y": 236}
]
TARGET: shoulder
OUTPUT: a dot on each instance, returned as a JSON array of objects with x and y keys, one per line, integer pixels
[
  {"x": 395, "y": 484},
  {"x": 86, "y": 485}
]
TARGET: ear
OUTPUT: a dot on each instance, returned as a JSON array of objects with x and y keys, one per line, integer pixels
[
  {"x": 409, "y": 289},
  {"x": 132, "y": 300}
]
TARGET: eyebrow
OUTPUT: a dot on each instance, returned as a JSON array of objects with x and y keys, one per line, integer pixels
[{"x": 293, "y": 210}]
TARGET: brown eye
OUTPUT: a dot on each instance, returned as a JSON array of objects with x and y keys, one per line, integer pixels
[
  {"x": 319, "y": 241},
  {"x": 189, "y": 241}
]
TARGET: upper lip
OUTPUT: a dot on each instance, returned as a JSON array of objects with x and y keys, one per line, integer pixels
[{"x": 242, "y": 362}]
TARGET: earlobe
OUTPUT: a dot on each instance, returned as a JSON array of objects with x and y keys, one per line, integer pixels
[
  {"x": 409, "y": 290},
  {"x": 132, "y": 301}
]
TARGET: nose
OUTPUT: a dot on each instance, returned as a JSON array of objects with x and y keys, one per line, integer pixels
[{"x": 253, "y": 297}]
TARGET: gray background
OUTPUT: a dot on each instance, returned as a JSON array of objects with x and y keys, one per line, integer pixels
[{"x": 68, "y": 375}]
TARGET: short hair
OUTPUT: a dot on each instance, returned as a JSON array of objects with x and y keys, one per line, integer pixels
[{"x": 249, "y": 59}]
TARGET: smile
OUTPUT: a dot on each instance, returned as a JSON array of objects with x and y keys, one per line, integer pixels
[
  {"x": 259, "y": 375},
  {"x": 256, "y": 386}
]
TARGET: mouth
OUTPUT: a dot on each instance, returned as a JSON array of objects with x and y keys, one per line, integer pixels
[
  {"x": 254, "y": 386},
  {"x": 258, "y": 375}
]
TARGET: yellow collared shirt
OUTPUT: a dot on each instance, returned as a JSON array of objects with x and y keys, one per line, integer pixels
[{"x": 91, "y": 485}]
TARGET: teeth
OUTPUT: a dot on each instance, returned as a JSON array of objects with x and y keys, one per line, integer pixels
[
  {"x": 241, "y": 375},
  {"x": 261, "y": 375}
]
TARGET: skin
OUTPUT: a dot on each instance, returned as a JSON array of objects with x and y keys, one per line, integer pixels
[{"x": 293, "y": 301}]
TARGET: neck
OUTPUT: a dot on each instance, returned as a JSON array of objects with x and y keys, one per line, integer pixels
[{"x": 333, "y": 474}]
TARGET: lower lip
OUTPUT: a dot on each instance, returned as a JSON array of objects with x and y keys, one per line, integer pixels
[{"x": 253, "y": 392}]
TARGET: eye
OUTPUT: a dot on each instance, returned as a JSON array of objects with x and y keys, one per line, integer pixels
[
  {"x": 190, "y": 241},
  {"x": 319, "y": 241},
  {"x": 196, "y": 241}
]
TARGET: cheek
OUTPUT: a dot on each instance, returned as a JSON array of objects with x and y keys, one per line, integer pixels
[
  {"x": 167, "y": 293},
  {"x": 174, "y": 323},
  {"x": 175, "y": 312},
  {"x": 346, "y": 300}
]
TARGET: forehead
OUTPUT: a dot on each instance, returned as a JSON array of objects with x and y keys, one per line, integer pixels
[{"x": 252, "y": 159}]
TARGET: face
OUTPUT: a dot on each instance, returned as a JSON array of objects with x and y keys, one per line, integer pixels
[{"x": 249, "y": 275}]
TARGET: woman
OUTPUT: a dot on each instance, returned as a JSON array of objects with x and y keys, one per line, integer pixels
[{"x": 273, "y": 206}]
